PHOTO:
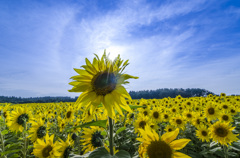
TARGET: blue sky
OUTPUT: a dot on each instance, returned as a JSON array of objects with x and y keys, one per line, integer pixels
[{"x": 170, "y": 44}]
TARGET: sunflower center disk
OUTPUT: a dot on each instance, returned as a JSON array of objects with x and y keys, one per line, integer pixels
[
  {"x": 131, "y": 116},
  {"x": 165, "y": 116},
  {"x": 178, "y": 121},
  {"x": 41, "y": 132},
  {"x": 189, "y": 115},
  {"x": 204, "y": 133},
  {"x": 156, "y": 115},
  {"x": 22, "y": 119},
  {"x": 225, "y": 106},
  {"x": 69, "y": 114},
  {"x": 96, "y": 139},
  {"x": 67, "y": 152},
  {"x": 46, "y": 151},
  {"x": 211, "y": 111},
  {"x": 104, "y": 83},
  {"x": 221, "y": 132},
  {"x": 225, "y": 117},
  {"x": 159, "y": 149},
  {"x": 142, "y": 124}
]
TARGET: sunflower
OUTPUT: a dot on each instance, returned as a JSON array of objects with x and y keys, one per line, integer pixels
[
  {"x": 226, "y": 117},
  {"x": 18, "y": 119},
  {"x": 179, "y": 122},
  {"x": 141, "y": 122},
  {"x": 46, "y": 148},
  {"x": 156, "y": 115},
  {"x": 211, "y": 111},
  {"x": 203, "y": 133},
  {"x": 222, "y": 133},
  {"x": 188, "y": 115},
  {"x": 101, "y": 82},
  {"x": 92, "y": 138},
  {"x": 169, "y": 128},
  {"x": 130, "y": 118},
  {"x": 145, "y": 111},
  {"x": 155, "y": 147},
  {"x": 61, "y": 124},
  {"x": 38, "y": 130},
  {"x": 65, "y": 147},
  {"x": 166, "y": 117},
  {"x": 69, "y": 116}
]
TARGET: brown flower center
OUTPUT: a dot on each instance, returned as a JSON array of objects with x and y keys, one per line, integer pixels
[
  {"x": 211, "y": 111},
  {"x": 104, "y": 83},
  {"x": 145, "y": 113},
  {"x": 189, "y": 115},
  {"x": 179, "y": 121},
  {"x": 221, "y": 132},
  {"x": 156, "y": 115},
  {"x": 142, "y": 124},
  {"x": 166, "y": 116},
  {"x": 159, "y": 149},
  {"x": 225, "y": 106},
  {"x": 46, "y": 151},
  {"x": 204, "y": 133},
  {"x": 69, "y": 114},
  {"x": 225, "y": 117}
]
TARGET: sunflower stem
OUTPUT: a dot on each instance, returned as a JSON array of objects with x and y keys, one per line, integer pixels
[
  {"x": 111, "y": 135},
  {"x": 225, "y": 150},
  {"x": 25, "y": 140}
]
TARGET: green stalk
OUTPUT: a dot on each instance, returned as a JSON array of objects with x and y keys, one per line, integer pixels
[
  {"x": 111, "y": 135},
  {"x": 225, "y": 150},
  {"x": 25, "y": 140}
]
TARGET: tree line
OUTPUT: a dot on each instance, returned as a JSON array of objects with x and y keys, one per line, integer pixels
[
  {"x": 47, "y": 99},
  {"x": 169, "y": 92},
  {"x": 146, "y": 94}
]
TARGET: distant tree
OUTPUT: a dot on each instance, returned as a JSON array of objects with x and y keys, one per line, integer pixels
[{"x": 166, "y": 92}]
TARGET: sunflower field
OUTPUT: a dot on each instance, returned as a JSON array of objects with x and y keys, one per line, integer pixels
[{"x": 105, "y": 122}]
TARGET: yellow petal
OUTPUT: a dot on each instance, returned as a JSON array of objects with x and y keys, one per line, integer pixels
[
  {"x": 170, "y": 136},
  {"x": 180, "y": 155},
  {"x": 179, "y": 144}
]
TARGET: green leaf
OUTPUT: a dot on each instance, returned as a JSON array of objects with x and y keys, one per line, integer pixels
[
  {"x": 100, "y": 153},
  {"x": 103, "y": 133},
  {"x": 10, "y": 151},
  {"x": 120, "y": 130},
  {"x": 135, "y": 106},
  {"x": 4, "y": 132},
  {"x": 215, "y": 149},
  {"x": 15, "y": 156},
  {"x": 100, "y": 123},
  {"x": 79, "y": 156},
  {"x": 122, "y": 154},
  {"x": 213, "y": 144}
]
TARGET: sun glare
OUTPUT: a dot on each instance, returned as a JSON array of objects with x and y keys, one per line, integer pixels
[{"x": 114, "y": 51}]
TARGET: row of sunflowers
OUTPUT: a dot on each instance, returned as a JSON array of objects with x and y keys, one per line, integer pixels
[
  {"x": 205, "y": 126},
  {"x": 105, "y": 122}
]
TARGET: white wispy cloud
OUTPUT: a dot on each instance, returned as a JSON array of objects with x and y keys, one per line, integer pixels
[{"x": 174, "y": 56}]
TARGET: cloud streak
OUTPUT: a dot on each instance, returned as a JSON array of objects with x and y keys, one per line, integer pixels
[{"x": 174, "y": 44}]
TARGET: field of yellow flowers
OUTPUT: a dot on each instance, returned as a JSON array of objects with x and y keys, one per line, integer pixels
[
  {"x": 105, "y": 122},
  {"x": 209, "y": 125}
]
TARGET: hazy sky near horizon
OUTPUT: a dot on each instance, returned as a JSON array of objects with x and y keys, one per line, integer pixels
[{"x": 170, "y": 43}]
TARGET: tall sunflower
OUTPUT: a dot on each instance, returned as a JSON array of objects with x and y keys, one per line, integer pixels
[
  {"x": 155, "y": 147},
  {"x": 46, "y": 148},
  {"x": 101, "y": 82},
  {"x": 222, "y": 133},
  {"x": 65, "y": 147},
  {"x": 18, "y": 119},
  {"x": 92, "y": 138},
  {"x": 38, "y": 130},
  {"x": 203, "y": 133}
]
